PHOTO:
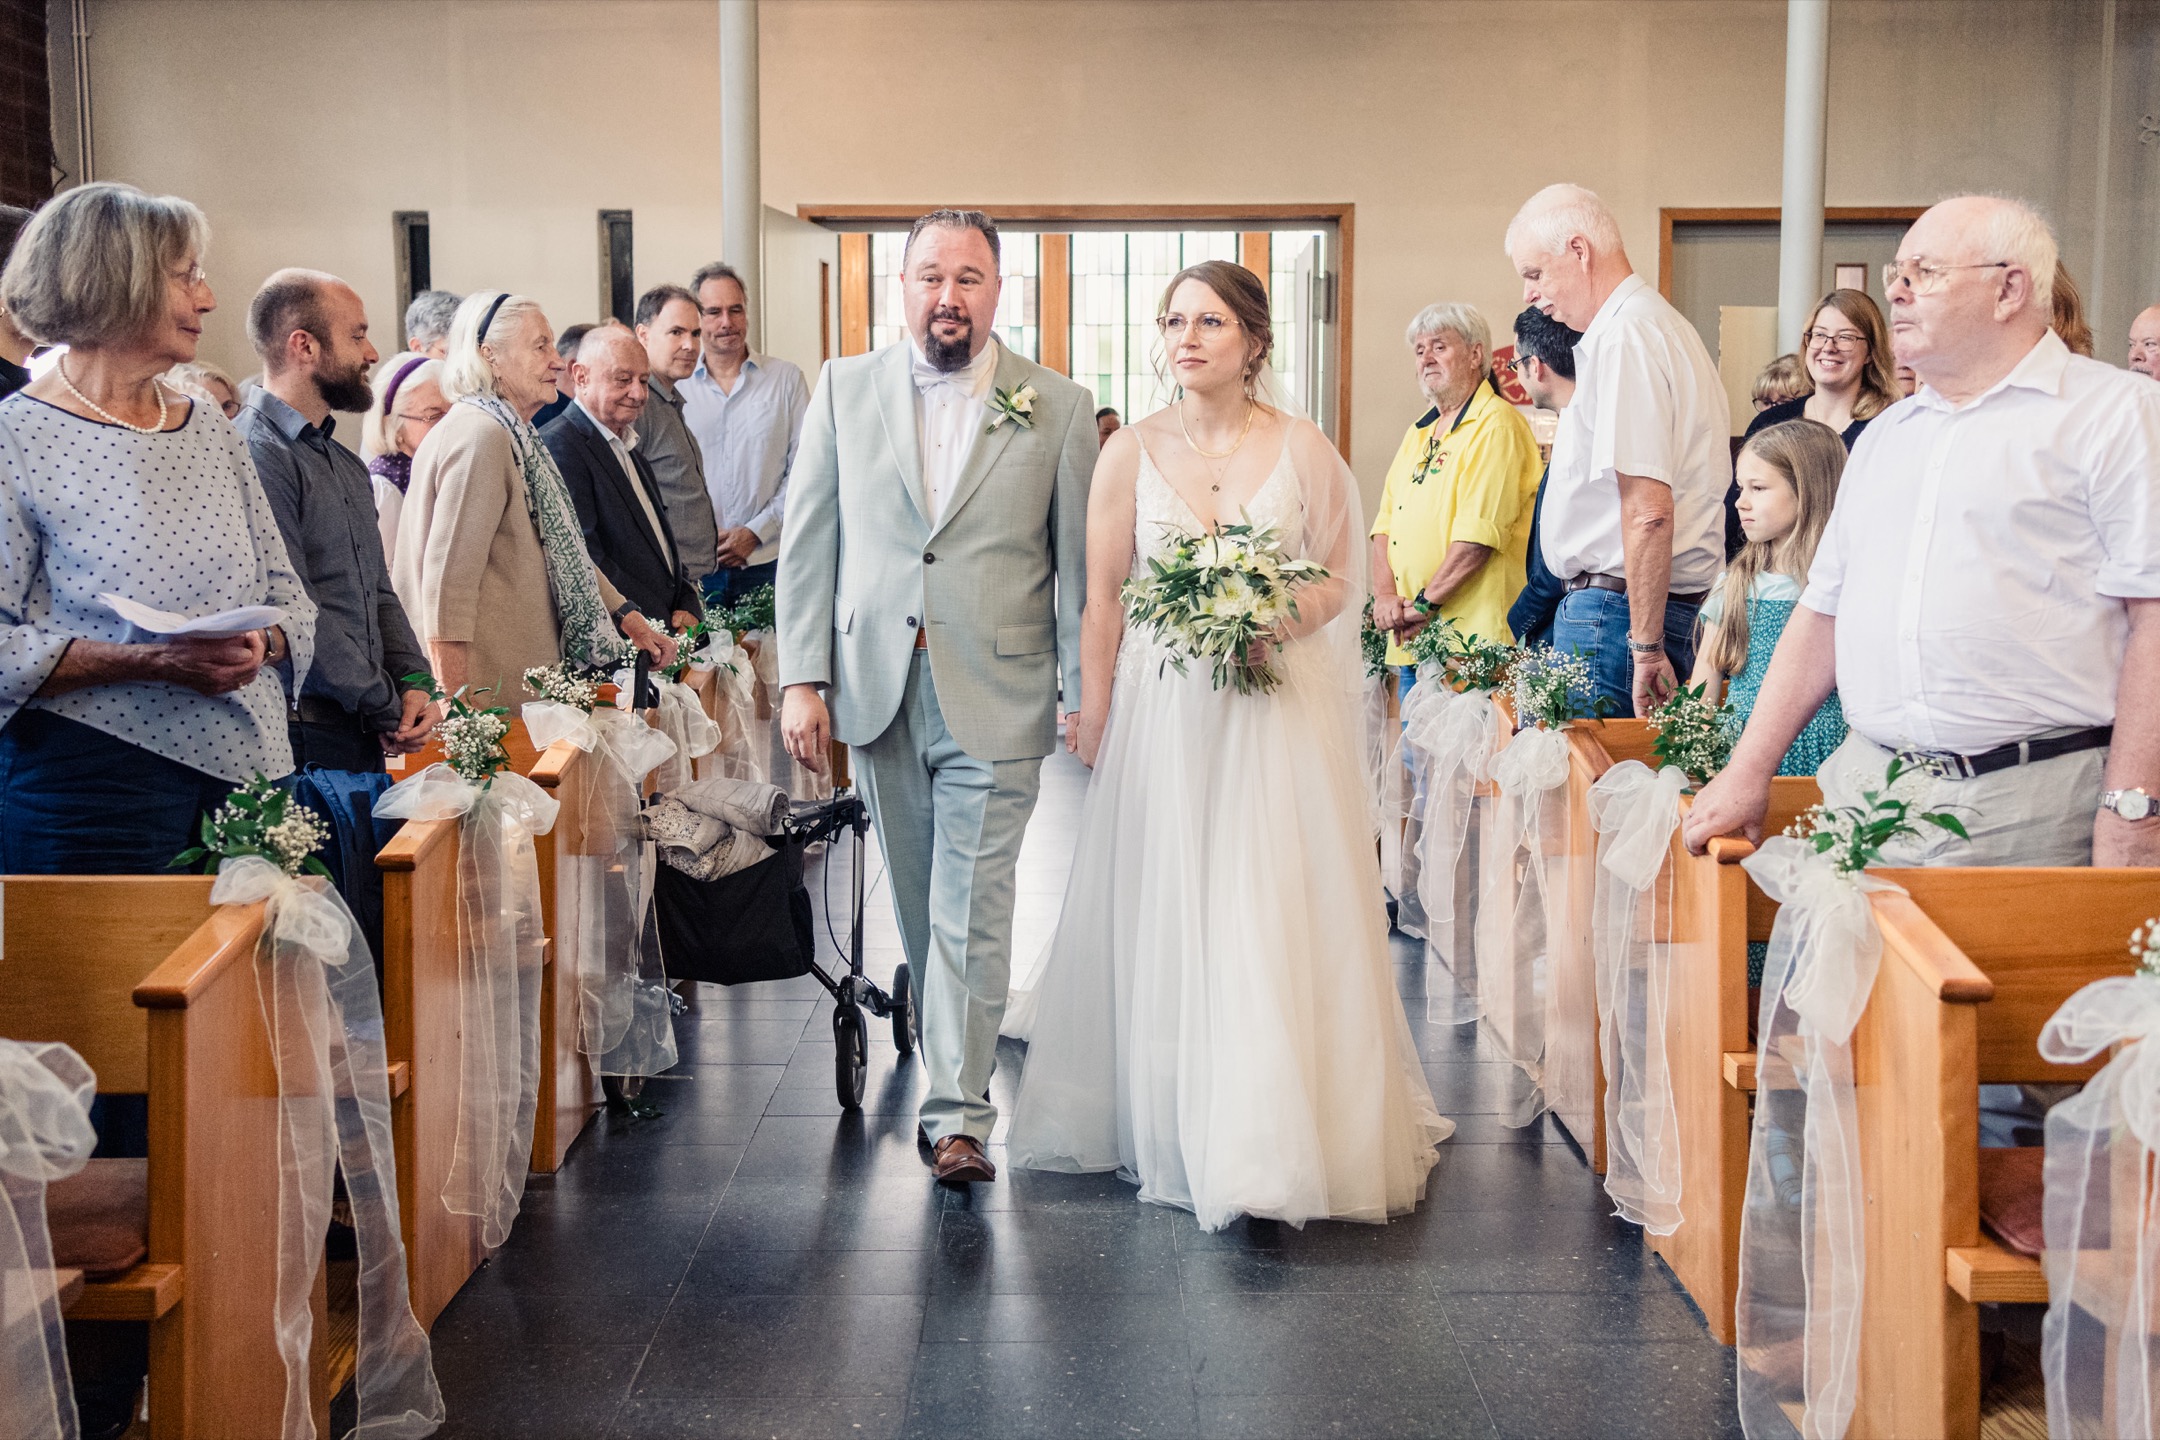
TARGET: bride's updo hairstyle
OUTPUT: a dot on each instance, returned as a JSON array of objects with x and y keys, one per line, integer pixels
[{"x": 1247, "y": 298}]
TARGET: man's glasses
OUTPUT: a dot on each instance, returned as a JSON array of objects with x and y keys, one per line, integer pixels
[
  {"x": 1838, "y": 340},
  {"x": 1514, "y": 364},
  {"x": 1208, "y": 325},
  {"x": 1928, "y": 276}
]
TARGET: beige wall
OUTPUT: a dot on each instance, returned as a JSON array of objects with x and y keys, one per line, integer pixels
[{"x": 1434, "y": 119}]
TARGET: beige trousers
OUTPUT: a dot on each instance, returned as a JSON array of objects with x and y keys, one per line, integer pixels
[{"x": 2038, "y": 814}]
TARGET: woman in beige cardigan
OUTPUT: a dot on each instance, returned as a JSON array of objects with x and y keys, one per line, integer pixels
[{"x": 490, "y": 562}]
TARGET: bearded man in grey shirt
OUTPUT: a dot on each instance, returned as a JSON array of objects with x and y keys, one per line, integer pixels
[{"x": 311, "y": 331}]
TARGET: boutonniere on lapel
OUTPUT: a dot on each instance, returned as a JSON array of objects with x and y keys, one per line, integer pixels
[{"x": 1016, "y": 405}]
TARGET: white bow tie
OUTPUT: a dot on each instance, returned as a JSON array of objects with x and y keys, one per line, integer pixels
[{"x": 928, "y": 377}]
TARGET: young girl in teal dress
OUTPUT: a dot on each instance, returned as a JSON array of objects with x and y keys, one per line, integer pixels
[{"x": 1788, "y": 478}]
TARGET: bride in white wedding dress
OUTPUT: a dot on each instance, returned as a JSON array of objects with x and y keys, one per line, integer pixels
[{"x": 1216, "y": 1019}]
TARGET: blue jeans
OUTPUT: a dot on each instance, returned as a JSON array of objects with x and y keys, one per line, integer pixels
[
  {"x": 725, "y": 587},
  {"x": 76, "y": 801},
  {"x": 1594, "y": 624}
]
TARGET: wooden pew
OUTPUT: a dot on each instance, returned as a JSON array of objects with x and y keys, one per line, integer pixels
[
  {"x": 157, "y": 993},
  {"x": 1717, "y": 909},
  {"x": 1974, "y": 963},
  {"x": 420, "y": 1026},
  {"x": 1574, "y": 1076},
  {"x": 569, "y": 1086}
]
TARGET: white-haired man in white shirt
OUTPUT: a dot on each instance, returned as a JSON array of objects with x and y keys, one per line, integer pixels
[
  {"x": 1634, "y": 519},
  {"x": 1987, "y": 593}
]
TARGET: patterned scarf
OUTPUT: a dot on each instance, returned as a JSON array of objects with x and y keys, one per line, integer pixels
[
  {"x": 588, "y": 634},
  {"x": 397, "y": 469}
]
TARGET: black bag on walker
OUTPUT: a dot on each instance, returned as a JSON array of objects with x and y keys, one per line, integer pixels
[{"x": 755, "y": 924}]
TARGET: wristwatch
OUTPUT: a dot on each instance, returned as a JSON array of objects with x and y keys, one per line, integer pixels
[{"x": 2131, "y": 804}]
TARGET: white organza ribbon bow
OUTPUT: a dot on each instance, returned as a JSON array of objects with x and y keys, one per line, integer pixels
[
  {"x": 1835, "y": 945},
  {"x": 1533, "y": 762},
  {"x": 440, "y": 793},
  {"x": 45, "y": 1135},
  {"x": 1802, "y": 1251},
  {"x": 632, "y": 743},
  {"x": 2103, "y": 1238},
  {"x": 304, "y": 916},
  {"x": 685, "y": 720},
  {"x": 1636, "y": 812}
]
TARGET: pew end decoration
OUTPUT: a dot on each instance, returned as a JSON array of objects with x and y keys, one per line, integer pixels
[
  {"x": 1526, "y": 865},
  {"x": 603, "y": 928},
  {"x": 2103, "y": 1233},
  {"x": 315, "y": 977},
  {"x": 1450, "y": 732},
  {"x": 1803, "y": 1260},
  {"x": 502, "y": 943},
  {"x": 1217, "y": 596},
  {"x": 45, "y": 1136}
]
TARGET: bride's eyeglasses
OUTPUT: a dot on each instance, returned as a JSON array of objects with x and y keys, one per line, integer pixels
[{"x": 1208, "y": 325}]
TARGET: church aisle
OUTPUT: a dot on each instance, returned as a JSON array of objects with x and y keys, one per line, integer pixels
[{"x": 756, "y": 1264}]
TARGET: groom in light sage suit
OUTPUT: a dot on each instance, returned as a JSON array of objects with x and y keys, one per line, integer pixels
[{"x": 931, "y": 580}]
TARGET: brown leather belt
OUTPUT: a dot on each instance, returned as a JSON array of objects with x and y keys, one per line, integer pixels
[
  {"x": 922, "y": 637},
  {"x": 1617, "y": 584}
]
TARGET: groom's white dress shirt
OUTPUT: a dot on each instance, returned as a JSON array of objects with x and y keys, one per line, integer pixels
[{"x": 949, "y": 411}]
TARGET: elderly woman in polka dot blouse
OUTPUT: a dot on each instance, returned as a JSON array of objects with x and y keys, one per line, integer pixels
[{"x": 112, "y": 741}]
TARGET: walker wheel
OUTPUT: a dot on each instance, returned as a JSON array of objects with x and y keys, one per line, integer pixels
[
  {"x": 851, "y": 1054},
  {"x": 906, "y": 1023}
]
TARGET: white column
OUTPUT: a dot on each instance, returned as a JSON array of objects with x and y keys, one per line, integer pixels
[
  {"x": 1807, "y": 110},
  {"x": 742, "y": 201}
]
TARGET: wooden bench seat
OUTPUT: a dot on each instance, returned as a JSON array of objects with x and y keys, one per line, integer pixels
[
  {"x": 156, "y": 991},
  {"x": 1974, "y": 963},
  {"x": 569, "y": 1086}
]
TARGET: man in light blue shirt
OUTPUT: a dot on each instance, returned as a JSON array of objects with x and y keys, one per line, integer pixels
[{"x": 746, "y": 411}]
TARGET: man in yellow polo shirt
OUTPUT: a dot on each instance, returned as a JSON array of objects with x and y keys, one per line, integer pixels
[{"x": 1454, "y": 520}]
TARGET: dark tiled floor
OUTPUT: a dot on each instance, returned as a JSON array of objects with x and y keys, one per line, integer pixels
[{"x": 758, "y": 1264}]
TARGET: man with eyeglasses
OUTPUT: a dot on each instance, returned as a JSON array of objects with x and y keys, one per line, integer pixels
[
  {"x": 1986, "y": 597},
  {"x": 1634, "y": 519},
  {"x": 747, "y": 411},
  {"x": 2145, "y": 342}
]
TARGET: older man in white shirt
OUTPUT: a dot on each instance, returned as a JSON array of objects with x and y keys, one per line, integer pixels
[
  {"x": 1634, "y": 511},
  {"x": 1987, "y": 594},
  {"x": 746, "y": 411}
]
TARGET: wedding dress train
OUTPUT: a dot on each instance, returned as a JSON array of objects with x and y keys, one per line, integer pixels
[{"x": 1216, "y": 1018}]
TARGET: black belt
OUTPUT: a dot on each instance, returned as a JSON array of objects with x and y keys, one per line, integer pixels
[
  {"x": 315, "y": 710},
  {"x": 1590, "y": 580},
  {"x": 1945, "y": 765}
]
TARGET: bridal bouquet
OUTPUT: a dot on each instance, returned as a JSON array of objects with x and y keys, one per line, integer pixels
[{"x": 1217, "y": 594}]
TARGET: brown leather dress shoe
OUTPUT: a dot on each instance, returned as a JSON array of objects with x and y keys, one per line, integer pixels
[{"x": 959, "y": 1159}]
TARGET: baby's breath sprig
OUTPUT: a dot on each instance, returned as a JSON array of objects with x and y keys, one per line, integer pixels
[
  {"x": 1552, "y": 689},
  {"x": 1692, "y": 734},
  {"x": 260, "y": 819},
  {"x": 2145, "y": 948},
  {"x": 1853, "y": 836},
  {"x": 565, "y": 684},
  {"x": 472, "y": 737}
]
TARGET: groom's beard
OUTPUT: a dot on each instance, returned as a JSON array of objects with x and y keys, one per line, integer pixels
[{"x": 946, "y": 356}]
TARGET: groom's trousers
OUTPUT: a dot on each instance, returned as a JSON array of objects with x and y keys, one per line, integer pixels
[{"x": 950, "y": 827}]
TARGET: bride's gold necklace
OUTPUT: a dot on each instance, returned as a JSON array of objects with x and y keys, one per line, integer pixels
[{"x": 1250, "y": 411}]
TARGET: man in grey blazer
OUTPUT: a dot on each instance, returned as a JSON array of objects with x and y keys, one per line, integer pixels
[{"x": 931, "y": 580}]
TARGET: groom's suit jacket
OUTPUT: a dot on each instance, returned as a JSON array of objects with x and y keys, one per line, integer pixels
[{"x": 999, "y": 576}]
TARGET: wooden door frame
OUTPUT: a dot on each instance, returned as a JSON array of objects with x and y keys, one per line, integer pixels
[
  {"x": 1215, "y": 217},
  {"x": 1756, "y": 214}
]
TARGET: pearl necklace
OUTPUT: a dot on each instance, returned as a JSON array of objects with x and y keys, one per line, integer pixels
[{"x": 163, "y": 414}]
